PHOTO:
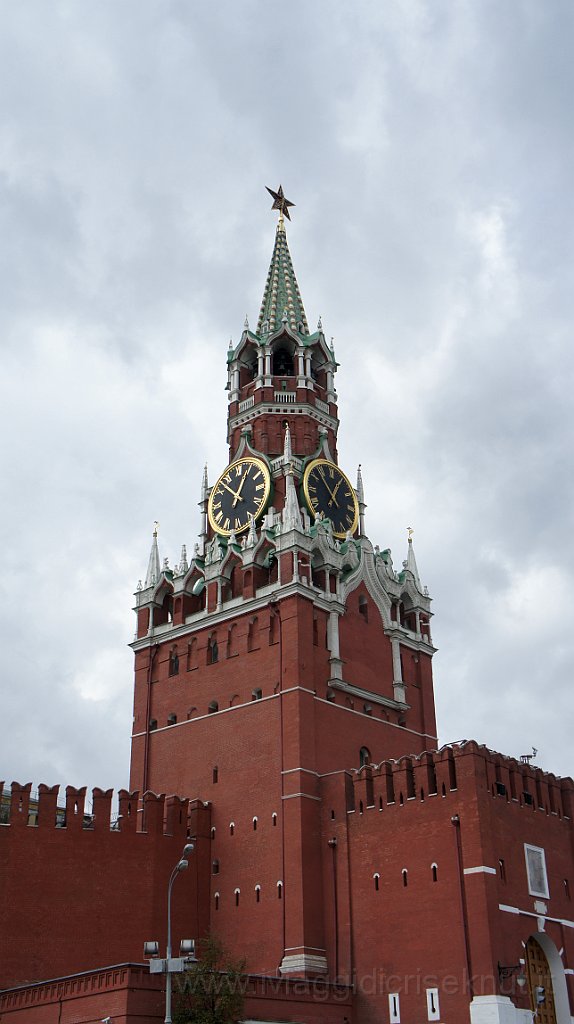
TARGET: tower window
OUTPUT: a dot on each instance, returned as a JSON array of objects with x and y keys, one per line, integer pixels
[
  {"x": 215, "y": 774},
  {"x": 364, "y": 607},
  {"x": 434, "y": 872},
  {"x": 257, "y": 893},
  {"x": 231, "y": 827},
  {"x": 152, "y": 724},
  {"x": 502, "y": 870},
  {"x": 172, "y": 718},
  {"x": 364, "y": 756},
  {"x": 405, "y": 875},
  {"x": 279, "y": 890},
  {"x": 376, "y": 878},
  {"x": 215, "y": 867},
  {"x": 255, "y": 824},
  {"x": 173, "y": 662},
  {"x": 274, "y": 819},
  {"x": 212, "y": 651},
  {"x": 256, "y": 694},
  {"x": 213, "y": 707},
  {"x": 216, "y": 899},
  {"x": 237, "y": 895}
]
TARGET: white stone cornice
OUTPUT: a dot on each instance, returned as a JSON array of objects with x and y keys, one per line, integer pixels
[
  {"x": 280, "y": 408},
  {"x": 238, "y": 606},
  {"x": 368, "y": 695},
  {"x": 408, "y": 639}
]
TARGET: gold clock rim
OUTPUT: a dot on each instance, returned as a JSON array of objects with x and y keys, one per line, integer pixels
[
  {"x": 325, "y": 462},
  {"x": 253, "y": 460}
]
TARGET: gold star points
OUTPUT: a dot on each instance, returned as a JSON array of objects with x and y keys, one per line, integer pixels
[{"x": 279, "y": 202}]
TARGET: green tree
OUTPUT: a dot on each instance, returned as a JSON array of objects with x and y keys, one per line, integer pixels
[{"x": 212, "y": 990}]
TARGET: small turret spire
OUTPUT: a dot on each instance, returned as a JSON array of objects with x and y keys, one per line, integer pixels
[
  {"x": 287, "y": 453},
  {"x": 153, "y": 568},
  {"x": 361, "y": 499},
  {"x": 183, "y": 563},
  {"x": 411, "y": 562},
  {"x": 360, "y": 489},
  {"x": 291, "y": 515}
]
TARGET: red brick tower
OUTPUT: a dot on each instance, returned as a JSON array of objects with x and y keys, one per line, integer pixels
[{"x": 288, "y": 651}]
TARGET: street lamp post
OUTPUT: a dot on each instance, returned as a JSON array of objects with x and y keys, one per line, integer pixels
[
  {"x": 181, "y": 865},
  {"x": 171, "y": 964}
]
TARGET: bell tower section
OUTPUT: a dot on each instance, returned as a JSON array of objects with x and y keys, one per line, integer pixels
[{"x": 281, "y": 374}]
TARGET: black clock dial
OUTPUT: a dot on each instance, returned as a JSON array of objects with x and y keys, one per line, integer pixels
[
  {"x": 240, "y": 494},
  {"x": 328, "y": 492}
]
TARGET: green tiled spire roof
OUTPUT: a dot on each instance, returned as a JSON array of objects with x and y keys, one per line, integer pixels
[{"x": 282, "y": 296}]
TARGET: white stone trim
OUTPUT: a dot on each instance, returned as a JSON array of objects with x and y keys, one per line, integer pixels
[
  {"x": 370, "y": 695},
  {"x": 291, "y": 796},
  {"x": 497, "y": 1010},
  {"x": 529, "y": 913},
  {"x": 224, "y": 711},
  {"x": 481, "y": 869},
  {"x": 380, "y": 721},
  {"x": 316, "y": 949},
  {"x": 298, "y": 962}
]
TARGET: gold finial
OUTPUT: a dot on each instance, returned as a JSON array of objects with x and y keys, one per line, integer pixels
[
  {"x": 410, "y": 533},
  {"x": 155, "y": 527},
  {"x": 280, "y": 203}
]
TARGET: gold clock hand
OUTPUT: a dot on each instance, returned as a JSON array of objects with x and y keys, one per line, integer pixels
[
  {"x": 337, "y": 485},
  {"x": 332, "y": 493},
  {"x": 235, "y": 494},
  {"x": 238, "y": 494}
]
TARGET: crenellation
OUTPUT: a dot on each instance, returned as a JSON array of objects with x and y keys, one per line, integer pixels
[
  {"x": 47, "y": 805},
  {"x": 75, "y": 804}
]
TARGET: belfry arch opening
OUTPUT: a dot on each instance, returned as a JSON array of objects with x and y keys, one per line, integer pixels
[{"x": 282, "y": 362}]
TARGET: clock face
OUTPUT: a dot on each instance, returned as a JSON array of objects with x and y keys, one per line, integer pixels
[
  {"x": 240, "y": 494},
  {"x": 328, "y": 491}
]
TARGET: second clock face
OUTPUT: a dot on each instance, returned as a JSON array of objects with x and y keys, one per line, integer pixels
[
  {"x": 239, "y": 495},
  {"x": 328, "y": 491}
]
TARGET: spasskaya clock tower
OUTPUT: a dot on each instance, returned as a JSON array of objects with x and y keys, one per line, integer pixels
[{"x": 286, "y": 653}]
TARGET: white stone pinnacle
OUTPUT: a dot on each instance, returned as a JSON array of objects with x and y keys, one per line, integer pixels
[{"x": 153, "y": 568}]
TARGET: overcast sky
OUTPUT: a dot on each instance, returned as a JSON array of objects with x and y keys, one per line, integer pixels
[{"x": 428, "y": 148}]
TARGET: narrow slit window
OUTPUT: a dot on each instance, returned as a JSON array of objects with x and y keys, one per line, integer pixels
[
  {"x": 394, "y": 1008},
  {"x": 433, "y": 1008}
]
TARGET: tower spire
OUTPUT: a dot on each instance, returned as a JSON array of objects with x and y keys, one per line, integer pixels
[
  {"x": 153, "y": 567},
  {"x": 281, "y": 297},
  {"x": 411, "y": 562},
  {"x": 361, "y": 499}
]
